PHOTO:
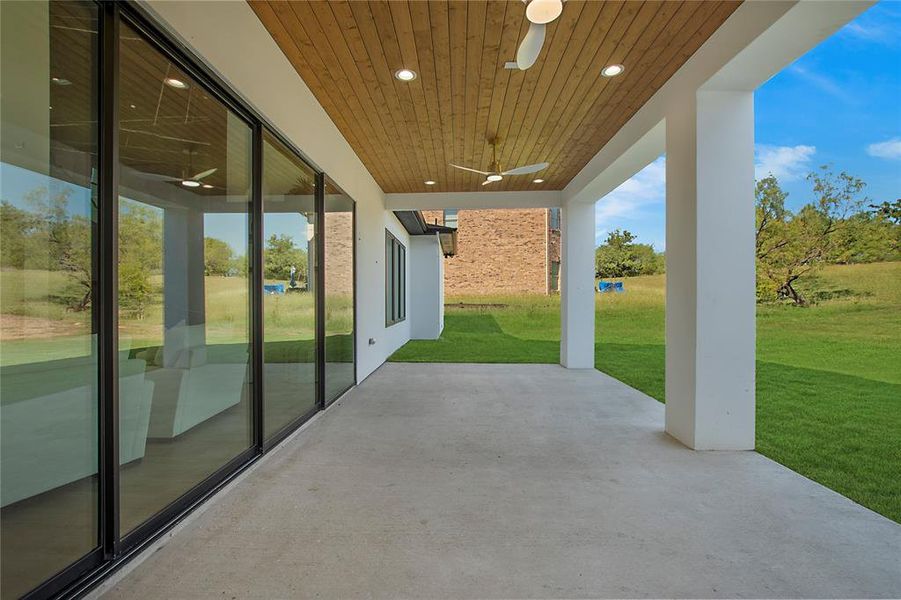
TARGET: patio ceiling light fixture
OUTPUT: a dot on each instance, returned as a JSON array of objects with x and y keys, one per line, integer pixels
[
  {"x": 538, "y": 181},
  {"x": 405, "y": 74},
  {"x": 543, "y": 11},
  {"x": 190, "y": 183},
  {"x": 175, "y": 83},
  {"x": 612, "y": 70},
  {"x": 430, "y": 182}
]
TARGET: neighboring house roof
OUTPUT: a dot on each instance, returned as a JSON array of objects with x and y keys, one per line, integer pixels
[{"x": 415, "y": 224}]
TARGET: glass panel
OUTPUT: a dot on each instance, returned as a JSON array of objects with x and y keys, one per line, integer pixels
[
  {"x": 339, "y": 291},
  {"x": 48, "y": 356},
  {"x": 289, "y": 316},
  {"x": 184, "y": 292}
]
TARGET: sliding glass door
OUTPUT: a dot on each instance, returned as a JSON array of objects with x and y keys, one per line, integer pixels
[
  {"x": 184, "y": 291},
  {"x": 338, "y": 259},
  {"x": 164, "y": 317},
  {"x": 48, "y": 314},
  {"x": 289, "y": 304}
]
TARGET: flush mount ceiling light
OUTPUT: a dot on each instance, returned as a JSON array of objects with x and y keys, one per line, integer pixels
[
  {"x": 538, "y": 181},
  {"x": 175, "y": 83},
  {"x": 405, "y": 74},
  {"x": 543, "y": 11},
  {"x": 612, "y": 70},
  {"x": 430, "y": 182},
  {"x": 190, "y": 183},
  {"x": 60, "y": 81}
]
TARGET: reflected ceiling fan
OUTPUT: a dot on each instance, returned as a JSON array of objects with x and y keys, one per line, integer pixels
[
  {"x": 539, "y": 13},
  {"x": 190, "y": 182},
  {"x": 495, "y": 174}
]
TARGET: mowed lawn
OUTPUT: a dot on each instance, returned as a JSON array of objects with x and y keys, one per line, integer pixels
[{"x": 828, "y": 376}]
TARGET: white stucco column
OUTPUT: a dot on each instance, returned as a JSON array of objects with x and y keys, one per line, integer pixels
[
  {"x": 426, "y": 288},
  {"x": 710, "y": 303},
  {"x": 577, "y": 286}
]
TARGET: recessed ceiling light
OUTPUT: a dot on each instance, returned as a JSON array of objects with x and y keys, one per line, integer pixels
[
  {"x": 538, "y": 181},
  {"x": 176, "y": 83},
  {"x": 190, "y": 183},
  {"x": 612, "y": 70},
  {"x": 207, "y": 186},
  {"x": 405, "y": 74},
  {"x": 430, "y": 182},
  {"x": 60, "y": 81},
  {"x": 132, "y": 106},
  {"x": 543, "y": 11}
]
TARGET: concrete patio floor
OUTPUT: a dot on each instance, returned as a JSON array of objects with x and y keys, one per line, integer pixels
[{"x": 516, "y": 481}]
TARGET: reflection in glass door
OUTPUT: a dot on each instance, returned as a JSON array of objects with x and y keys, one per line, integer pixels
[
  {"x": 48, "y": 317},
  {"x": 184, "y": 293},
  {"x": 339, "y": 291},
  {"x": 289, "y": 315}
]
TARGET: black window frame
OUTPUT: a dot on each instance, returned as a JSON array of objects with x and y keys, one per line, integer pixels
[
  {"x": 395, "y": 280},
  {"x": 115, "y": 550}
]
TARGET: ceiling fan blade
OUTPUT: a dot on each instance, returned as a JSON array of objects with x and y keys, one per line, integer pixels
[
  {"x": 468, "y": 169},
  {"x": 206, "y": 173},
  {"x": 156, "y": 176},
  {"x": 487, "y": 181},
  {"x": 530, "y": 47},
  {"x": 527, "y": 169}
]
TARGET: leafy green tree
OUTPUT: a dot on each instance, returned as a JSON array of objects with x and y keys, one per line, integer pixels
[
  {"x": 218, "y": 257},
  {"x": 280, "y": 255},
  {"x": 621, "y": 256},
  {"x": 790, "y": 246},
  {"x": 140, "y": 254},
  {"x": 17, "y": 227}
]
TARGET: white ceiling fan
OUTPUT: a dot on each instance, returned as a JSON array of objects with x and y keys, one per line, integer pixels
[
  {"x": 539, "y": 13},
  {"x": 190, "y": 182},
  {"x": 495, "y": 174}
]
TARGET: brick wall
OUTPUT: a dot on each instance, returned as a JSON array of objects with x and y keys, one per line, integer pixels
[
  {"x": 498, "y": 251},
  {"x": 339, "y": 252}
]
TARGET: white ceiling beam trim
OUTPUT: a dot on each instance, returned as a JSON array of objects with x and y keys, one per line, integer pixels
[{"x": 473, "y": 200}]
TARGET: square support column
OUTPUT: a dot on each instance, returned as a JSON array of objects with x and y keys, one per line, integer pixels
[
  {"x": 710, "y": 271},
  {"x": 577, "y": 286}
]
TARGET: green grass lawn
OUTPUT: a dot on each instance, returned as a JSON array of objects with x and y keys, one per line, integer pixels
[{"x": 828, "y": 376}]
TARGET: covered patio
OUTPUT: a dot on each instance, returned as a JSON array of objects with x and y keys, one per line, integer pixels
[{"x": 514, "y": 481}]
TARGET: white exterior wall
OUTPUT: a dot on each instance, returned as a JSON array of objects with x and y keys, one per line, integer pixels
[
  {"x": 426, "y": 290},
  {"x": 233, "y": 42}
]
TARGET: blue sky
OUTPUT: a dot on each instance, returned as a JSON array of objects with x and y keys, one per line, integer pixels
[{"x": 839, "y": 104}]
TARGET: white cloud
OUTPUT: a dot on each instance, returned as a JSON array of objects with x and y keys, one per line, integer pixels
[
  {"x": 786, "y": 163},
  {"x": 637, "y": 197},
  {"x": 890, "y": 149},
  {"x": 822, "y": 82}
]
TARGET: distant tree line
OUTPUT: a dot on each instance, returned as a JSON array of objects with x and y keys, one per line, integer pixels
[
  {"x": 840, "y": 226},
  {"x": 43, "y": 234},
  {"x": 621, "y": 256}
]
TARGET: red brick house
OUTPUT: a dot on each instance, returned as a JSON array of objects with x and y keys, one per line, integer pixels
[{"x": 502, "y": 251}]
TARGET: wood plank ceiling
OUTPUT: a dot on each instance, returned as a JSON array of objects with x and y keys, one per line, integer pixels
[{"x": 559, "y": 111}]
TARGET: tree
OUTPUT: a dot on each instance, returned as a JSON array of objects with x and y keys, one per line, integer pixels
[
  {"x": 218, "y": 257},
  {"x": 790, "y": 246},
  {"x": 620, "y": 256},
  {"x": 281, "y": 254}
]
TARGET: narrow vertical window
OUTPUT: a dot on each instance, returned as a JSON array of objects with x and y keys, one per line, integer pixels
[{"x": 395, "y": 280}]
